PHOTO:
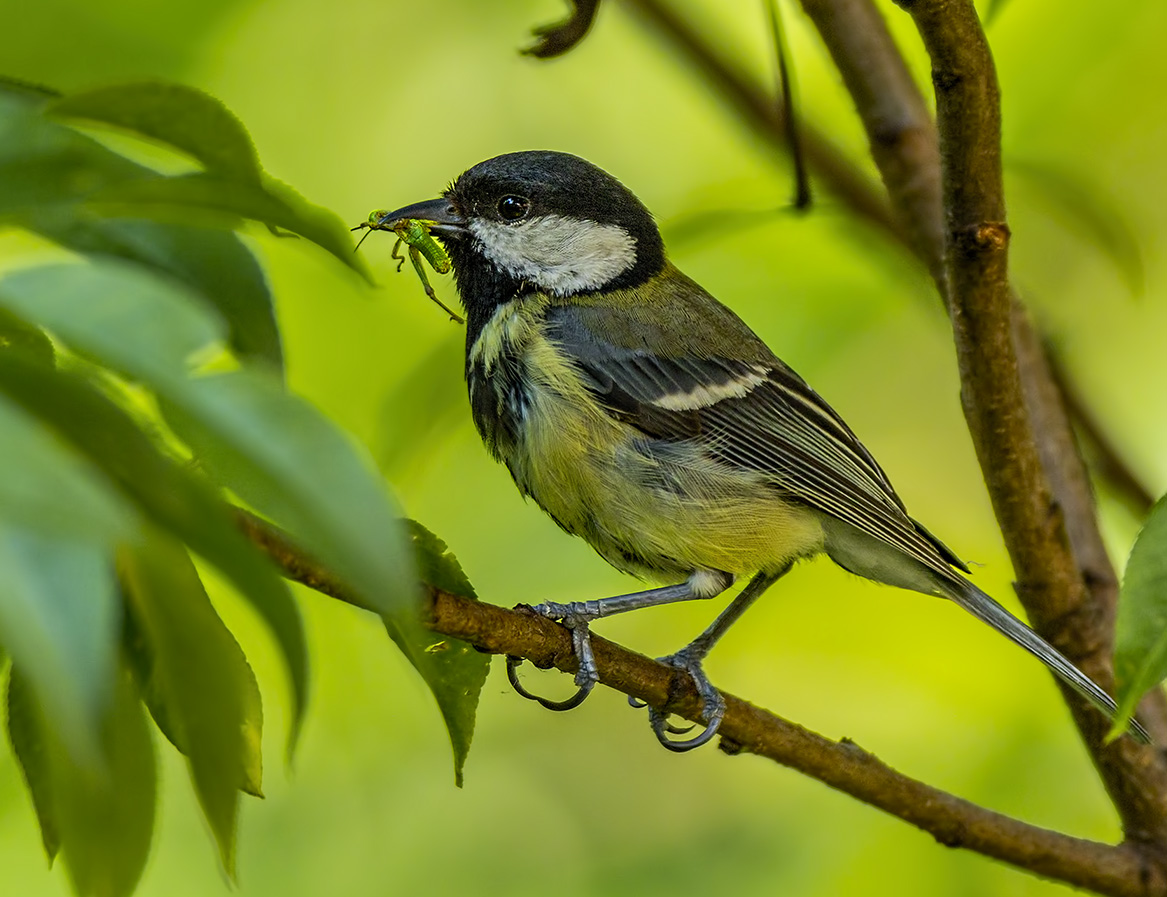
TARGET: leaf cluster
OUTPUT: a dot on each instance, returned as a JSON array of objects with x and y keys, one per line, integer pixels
[{"x": 141, "y": 402}]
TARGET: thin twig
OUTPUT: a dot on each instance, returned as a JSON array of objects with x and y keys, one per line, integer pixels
[
  {"x": 802, "y": 193},
  {"x": 900, "y": 131},
  {"x": 764, "y": 116},
  {"x": 905, "y": 147},
  {"x": 1112, "y": 466},
  {"x": 843, "y": 765},
  {"x": 559, "y": 37},
  {"x": 982, "y": 309}
]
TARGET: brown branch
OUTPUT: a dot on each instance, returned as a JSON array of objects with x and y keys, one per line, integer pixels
[
  {"x": 559, "y": 37},
  {"x": 887, "y": 100},
  {"x": 764, "y": 116},
  {"x": 1071, "y": 600},
  {"x": 1087, "y": 634},
  {"x": 1070, "y": 591},
  {"x": 900, "y": 132},
  {"x": 905, "y": 147},
  {"x": 1112, "y": 466},
  {"x": 843, "y": 765},
  {"x": 982, "y": 309}
]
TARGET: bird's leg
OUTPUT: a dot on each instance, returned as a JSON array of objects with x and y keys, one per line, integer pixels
[
  {"x": 690, "y": 658},
  {"x": 577, "y": 616}
]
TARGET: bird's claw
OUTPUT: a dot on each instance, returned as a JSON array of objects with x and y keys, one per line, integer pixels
[
  {"x": 576, "y": 618},
  {"x": 712, "y": 712}
]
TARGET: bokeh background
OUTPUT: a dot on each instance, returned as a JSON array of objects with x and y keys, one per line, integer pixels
[{"x": 363, "y": 104}]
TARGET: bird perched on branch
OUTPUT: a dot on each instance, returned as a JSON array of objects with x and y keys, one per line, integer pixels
[{"x": 645, "y": 417}]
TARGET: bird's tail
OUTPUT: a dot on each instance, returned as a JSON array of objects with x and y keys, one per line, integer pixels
[{"x": 989, "y": 611}]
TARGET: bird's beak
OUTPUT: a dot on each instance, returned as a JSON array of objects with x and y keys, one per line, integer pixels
[{"x": 440, "y": 214}]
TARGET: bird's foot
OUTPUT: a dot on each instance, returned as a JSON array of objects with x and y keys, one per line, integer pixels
[
  {"x": 713, "y": 710},
  {"x": 576, "y": 616}
]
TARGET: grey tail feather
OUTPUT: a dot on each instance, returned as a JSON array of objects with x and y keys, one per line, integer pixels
[{"x": 989, "y": 611}]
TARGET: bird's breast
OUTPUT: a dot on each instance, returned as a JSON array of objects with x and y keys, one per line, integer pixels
[
  {"x": 528, "y": 400},
  {"x": 653, "y": 507}
]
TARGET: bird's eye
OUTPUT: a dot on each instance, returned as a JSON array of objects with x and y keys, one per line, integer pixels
[{"x": 512, "y": 208}]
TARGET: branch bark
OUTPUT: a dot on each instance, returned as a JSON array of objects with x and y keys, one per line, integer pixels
[
  {"x": 901, "y": 134},
  {"x": 1116, "y": 870},
  {"x": 984, "y": 313},
  {"x": 1064, "y": 577},
  {"x": 1015, "y": 410},
  {"x": 1112, "y": 466},
  {"x": 1067, "y": 582}
]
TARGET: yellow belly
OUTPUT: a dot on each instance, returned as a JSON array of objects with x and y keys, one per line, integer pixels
[{"x": 659, "y": 510}]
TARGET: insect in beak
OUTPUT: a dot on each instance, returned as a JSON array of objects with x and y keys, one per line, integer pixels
[{"x": 412, "y": 227}]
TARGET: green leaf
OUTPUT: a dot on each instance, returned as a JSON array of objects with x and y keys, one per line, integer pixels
[
  {"x": 27, "y": 91},
  {"x": 198, "y": 681},
  {"x": 436, "y": 564},
  {"x": 18, "y": 337},
  {"x": 106, "y": 816},
  {"x": 1140, "y": 661},
  {"x": 132, "y": 321},
  {"x": 101, "y": 817},
  {"x": 213, "y": 263},
  {"x": 210, "y": 198},
  {"x": 26, "y": 733},
  {"x": 46, "y": 169},
  {"x": 284, "y": 459},
  {"x": 180, "y": 116},
  {"x": 167, "y": 493},
  {"x": 454, "y": 670},
  {"x": 59, "y": 620},
  {"x": 43, "y": 162},
  {"x": 272, "y": 448},
  {"x": 49, "y": 489},
  {"x": 287, "y": 461},
  {"x": 1098, "y": 217}
]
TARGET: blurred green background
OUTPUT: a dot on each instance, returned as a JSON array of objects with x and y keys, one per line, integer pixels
[{"x": 363, "y": 104}]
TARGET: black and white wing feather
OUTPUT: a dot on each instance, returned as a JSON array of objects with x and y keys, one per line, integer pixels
[{"x": 754, "y": 414}]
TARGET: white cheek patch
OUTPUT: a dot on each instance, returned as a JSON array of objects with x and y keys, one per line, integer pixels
[
  {"x": 557, "y": 254},
  {"x": 706, "y": 395}
]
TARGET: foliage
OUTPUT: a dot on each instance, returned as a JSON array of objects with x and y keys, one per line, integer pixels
[
  {"x": 140, "y": 394},
  {"x": 1140, "y": 662},
  {"x": 100, "y": 569}
]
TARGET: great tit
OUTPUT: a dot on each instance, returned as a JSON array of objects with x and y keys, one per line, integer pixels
[{"x": 644, "y": 416}]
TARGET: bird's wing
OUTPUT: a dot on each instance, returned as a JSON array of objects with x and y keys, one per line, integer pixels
[{"x": 755, "y": 414}]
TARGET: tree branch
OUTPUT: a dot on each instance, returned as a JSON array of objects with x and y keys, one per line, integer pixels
[
  {"x": 764, "y": 116},
  {"x": 982, "y": 309},
  {"x": 1070, "y": 600},
  {"x": 1112, "y": 466},
  {"x": 559, "y": 37},
  {"x": 843, "y": 765},
  {"x": 901, "y": 134},
  {"x": 905, "y": 146}
]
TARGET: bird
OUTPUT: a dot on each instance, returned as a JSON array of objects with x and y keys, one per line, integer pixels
[{"x": 646, "y": 417}]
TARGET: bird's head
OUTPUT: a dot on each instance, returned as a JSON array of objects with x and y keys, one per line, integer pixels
[{"x": 541, "y": 220}]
